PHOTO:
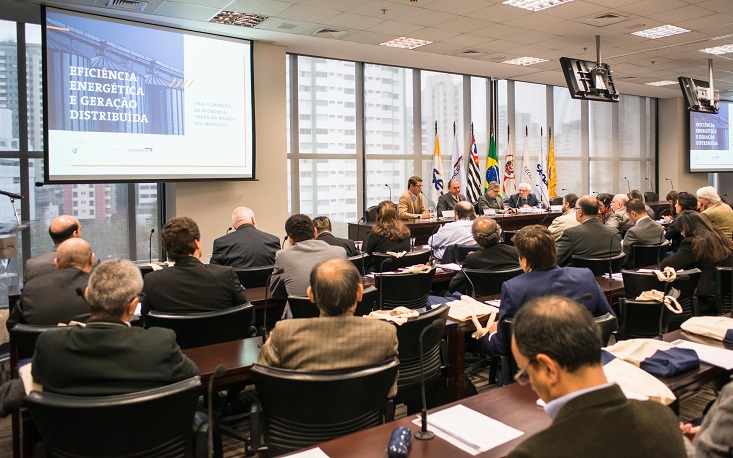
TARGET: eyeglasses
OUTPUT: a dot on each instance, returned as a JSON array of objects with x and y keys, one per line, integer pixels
[
  {"x": 139, "y": 297},
  {"x": 522, "y": 377}
]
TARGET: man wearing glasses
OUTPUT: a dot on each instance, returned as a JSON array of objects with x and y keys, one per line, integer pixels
[{"x": 557, "y": 345}]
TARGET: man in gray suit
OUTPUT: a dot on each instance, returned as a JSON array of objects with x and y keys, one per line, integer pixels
[
  {"x": 619, "y": 220},
  {"x": 590, "y": 238},
  {"x": 644, "y": 232},
  {"x": 449, "y": 201}
]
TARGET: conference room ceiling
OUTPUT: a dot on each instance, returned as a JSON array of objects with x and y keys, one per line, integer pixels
[{"x": 476, "y": 36}]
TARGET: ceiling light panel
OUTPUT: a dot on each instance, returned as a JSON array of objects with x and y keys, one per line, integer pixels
[
  {"x": 661, "y": 83},
  {"x": 660, "y": 32},
  {"x": 524, "y": 61},
  {"x": 237, "y": 18},
  {"x": 725, "y": 49},
  {"x": 405, "y": 43},
  {"x": 535, "y": 5}
]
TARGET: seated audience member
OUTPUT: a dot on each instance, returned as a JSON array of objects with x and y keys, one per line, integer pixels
[
  {"x": 636, "y": 194},
  {"x": 411, "y": 205},
  {"x": 524, "y": 198},
  {"x": 712, "y": 439},
  {"x": 590, "y": 238},
  {"x": 108, "y": 356},
  {"x": 604, "y": 206},
  {"x": 619, "y": 220},
  {"x": 457, "y": 232},
  {"x": 558, "y": 348},
  {"x": 389, "y": 233},
  {"x": 537, "y": 254},
  {"x": 337, "y": 339},
  {"x": 189, "y": 286},
  {"x": 718, "y": 213},
  {"x": 704, "y": 246},
  {"x": 683, "y": 201},
  {"x": 56, "y": 297},
  {"x": 491, "y": 199},
  {"x": 645, "y": 230},
  {"x": 492, "y": 255},
  {"x": 449, "y": 200},
  {"x": 323, "y": 229},
  {"x": 247, "y": 246},
  {"x": 567, "y": 220},
  {"x": 671, "y": 211},
  {"x": 294, "y": 264}
]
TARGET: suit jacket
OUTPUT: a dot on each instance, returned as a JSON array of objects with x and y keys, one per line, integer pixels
[
  {"x": 559, "y": 224},
  {"x": 293, "y": 265},
  {"x": 644, "y": 232},
  {"x": 409, "y": 209},
  {"x": 448, "y": 202},
  {"x": 191, "y": 286},
  {"x": 620, "y": 221},
  {"x": 52, "y": 299},
  {"x": 245, "y": 247},
  {"x": 591, "y": 238},
  {"x": 604, "y": 424},
  {"x": 572, "y": 282},
  {"x": 531, "y": 200},
  {"x": 714, "y": 439},
  {"x": 40, "y": 265},
  {"x": 346, "y": 244},
  {"x": 684, "y": 259},
  {"x": 108, "y": 357},
  {"x": 329, "y": 343},
  {"x": 497, "y": 257},
  {"x": 721, "y": 215},
  {"x": 486, "y": 202}
]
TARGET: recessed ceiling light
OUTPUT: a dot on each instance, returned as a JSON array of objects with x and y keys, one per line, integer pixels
[
  {"x": 660, "y": 32},
  {"x": 405, "y": 43},
  {"x": 524, "y": 61},
  {"x": 535, "y": 5},
  {"x": 661, "y": 83},
  {"x": 237, "y": 18},
  {"x": 725, "y": 49}
]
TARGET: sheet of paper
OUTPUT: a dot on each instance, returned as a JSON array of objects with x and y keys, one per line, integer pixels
[
  {"x": 716, "y": 356},
  {"x": 471, "y": 431},
  {"x": 452, "y": 267},
  {"x": 494, "y": 303},
  {"x": 312, "y": 453},
  {"x": 463, "y": 309}
]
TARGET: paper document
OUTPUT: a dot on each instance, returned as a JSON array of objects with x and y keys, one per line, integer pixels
[
  {"x": 451, "y": 267},
  {"x": 471, "y": 431},
  {"x": 494, "y": 303},
  {"x": 465, "y": 308},
  {"x": 715, "y": 356},
  {"x": 312, "y": 453}
]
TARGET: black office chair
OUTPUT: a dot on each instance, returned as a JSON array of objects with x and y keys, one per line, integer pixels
[
  {"x": 556, "y": 200},
  {"x": 723, "y": 289},
  {"x": 371, "y": 213},
  {"x": 23, "y": 341},
  {"x": 144, "y": 270},
  {"x": 648, "y": 255},
  {"x": 507, "y": 237},
  {"x": 643, "y": 319},
  {"x": 151, "y": 423},
  {"x": 488, "y": 282},
  {"x": 388, "y": 262},
  {"x": 403, "y": 290},
  {"x": 368, "y": 301},
  {"x": 607, "y": 324},
  {"x": 205, "y": 328},
  {"x": 507, "y": 362},
  {"x": 302, "y": 307},
  {"x": 254, "y": 277},
  {"x": 361, "y": 262},
  {"x": 457, "y": 253},
  {"x": 301, "y": 409},
  {"x": 599, "y": 266}
]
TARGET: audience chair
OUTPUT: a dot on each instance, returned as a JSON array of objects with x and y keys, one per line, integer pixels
[
  {"x": 556, "y": 200},
  {"x": 643, "y": 319},
  {"x": 206, "y": 328},
  {"x": 302, "y": 307},
  {"x": 361, "y": 262},
  {"x": 371, "y": 213},
  {"x": 507, "y": 362},
  {"x": 488, "y": 282},
  {"x": 599, "y": 266},
  {"x": 405, "y": 290},
  {"x": 648, "y": 255},
  {"x": 151, "y": 423},
  {"x": 507, "y": 237},
  {"x": 144, "y": 270},
  {"x": 254, "y": 277},
  {"x": 723, "y": 289},
  {"x": 458, "y": 253},
  {"x": 302, "y": 409},
  {"x": 388, "y": 262},
  {"x": 607, "y": 324},
  {"x": 23, "y": 341}
]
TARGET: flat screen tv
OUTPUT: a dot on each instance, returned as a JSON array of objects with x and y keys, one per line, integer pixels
[
  {"x": 710, "y": 141},
  {"x": 127, "y": 101},
  {"x": 587, "y": 80},
  {"x": 697, "y": 95}
]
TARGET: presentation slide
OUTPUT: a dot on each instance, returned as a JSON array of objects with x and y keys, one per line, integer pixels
[
  {"x": 132, "y": 102},
  {"x": 710, "y": 141}
]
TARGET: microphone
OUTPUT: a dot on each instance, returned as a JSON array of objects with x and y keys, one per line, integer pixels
[
  {"x": 650, "y": 183},
  {"x": 610, "y": 255},
  {"x": 358, "y": 235},
  {"x": 381, "y": 280},
  {"x": 80, "y": 291},
  {"x": 659, "y": 251},
  {"x": 228, "y": 229},
  {"x": 219, "y": 370},
  {"x": 150, "y": 246},
  {"x": 282, "y": 245},
  {"x": 430, "y": 242},
  {"x": 430, "y": 202},
  {"x": 564, "y": 189},
  {"x": 39, "y": 184},
  {"x": 424, "y": 434},
  {"x": 670, "y": 182},
  {"x": 264, "y": 314},
  {"x": 12, "y": 195},
  {"x": 628, "y": 183},
  {"x": 473, "y": 288},
  {"x": 390, "y": 191}
]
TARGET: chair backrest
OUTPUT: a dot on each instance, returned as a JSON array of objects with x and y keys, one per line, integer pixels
[
  {"x": 368, "y": 301},
  {"x": 599, "y": 266},
  {"x": 409, "y": 259},
  {"x": 144, "y": 270},
  {"x": 457, "y": 253},
  {"x": 361, "y": 262},
  {"x": 724, "y": 289},
  {"x": 23, "y": 341},
  {"x": 151, "y": 423},
  {"x": 302, "y": 307},
  {"x": 206, "y": 328},
  {"x": 302, "y": 409},
  {"x": 508, "y": 363},
  {"x": 607, "y": 324},
  {"x": 404, "y": 290},
  {"x": 556, "y": 200},
  {"x": 371, "y": 213},
  {"x": 254, "y": 277},
  {"x": 408, "y": 334},
  {"x": 488, "y": 282},
  {"x": 643, "y": 319},
  {"x": 648, "y": 255},
  {"x": 507, "y": 237}
]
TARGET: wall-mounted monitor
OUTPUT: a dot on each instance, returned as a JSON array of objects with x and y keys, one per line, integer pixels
[
  {"x": 587, "y": 80},
  {"x": 710, "y": 141},
  {"x": 698, "y": 95},
  {"x": 127, "y": 101}
]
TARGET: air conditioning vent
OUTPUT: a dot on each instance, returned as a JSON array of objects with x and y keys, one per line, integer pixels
[
  {"x": 330, "y": 33},
  {"x": 604, "y": 19},
  {"x": 127, "y": 5}
]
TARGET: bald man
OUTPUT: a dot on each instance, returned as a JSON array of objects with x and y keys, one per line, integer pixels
[
  {"x": 56, "y": 297},
  {"x": 247, "y": 246},
  {"x": 61, "y": 229}
]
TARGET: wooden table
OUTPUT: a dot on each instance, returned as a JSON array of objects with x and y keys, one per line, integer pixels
[{"x": 237, "y": 357}]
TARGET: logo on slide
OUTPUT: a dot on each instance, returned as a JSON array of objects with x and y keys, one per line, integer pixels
[{"x": 74, "y": 150}]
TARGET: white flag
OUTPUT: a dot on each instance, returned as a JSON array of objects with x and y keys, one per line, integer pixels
[
  {"x": 526, "y": 163},
  {"x": 438, "y": 186},
  {"x": 540, "y": 176},
  {"x": 510, "y": 186},
  {"x": 456, "y": 159}
]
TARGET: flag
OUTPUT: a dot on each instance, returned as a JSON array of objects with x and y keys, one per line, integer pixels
[
  {"x": 509, "y": 185},
  {"x": 540, "y": 178},
  {"x": 526, "y": 164},
  {"x": 492, "y": 165},
  {"x": 473, "y": 192},
  {"x": 438, "y": 185},
  {"x": 551, "y": 169},
  {"x": 456, "y": 158}
]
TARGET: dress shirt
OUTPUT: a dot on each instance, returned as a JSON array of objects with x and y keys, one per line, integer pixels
[
  {"x": 458, "y": 232},
  {"x": 553, "y": 407}
]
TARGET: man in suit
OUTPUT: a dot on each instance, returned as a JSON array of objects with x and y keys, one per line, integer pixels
[
  {"x": 108, "y": 356},
  {"x": 567, "y": 220},
  {"x": 247, "y": 246},
  {"x": 449, "y": 201},
  {"x": 189, "y": 286},
  {"x": 619, "y": 219},
  {"x": 590, "y": 237},
  {"x": 323, "y": 229},
  {"x": 55, "y": 297},
  {"x": 645, "y": 231},
  {"x": 457, "y": 232},
  {"x": 492, "y": 255},
  {"x": 590, "y": 416},
  {"x": 713, "y": 207},
  {"x": 411, "y": 205},
  {"x": 491, "y": 199},
  {"x": 337, "y": 339},
  {"x": 542, "y": 277},
  {"x": 524, "y": 198}
]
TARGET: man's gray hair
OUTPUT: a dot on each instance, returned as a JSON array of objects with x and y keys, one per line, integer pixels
[
  {"x": 524, "y": 186},
  {"x": 623, "y": 198},
  {"x": 485, "y": 231},
  {"x": 112, "y": 285},
  {"x": 242, "y": 214},
  {"x": 464, "y": 210},
  {"x": 709, "y": 193}
]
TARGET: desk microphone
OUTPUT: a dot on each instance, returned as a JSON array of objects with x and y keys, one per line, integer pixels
[
  {"x": 670, "y": 182},
  {"x": 282, "y": 245},
  {"x": 430, "y": 243},
  {"x": 390, "y": 191},
  {"x": 610, "y": 254},
  {"x": 150, "y": 246},
  {"x": 12, "y": 195},
  {"x": 264, "y": 314},
  {"x": 473, "y": 288},
  {"x": 219, "y": 371},
  {"x": 431, "y": 203},
  {"x": 381, "y": 280},
  {"x": 228, "y": 230},
  {"x": 628, "y": 183},
  {"x": 424, "y": 434}
]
